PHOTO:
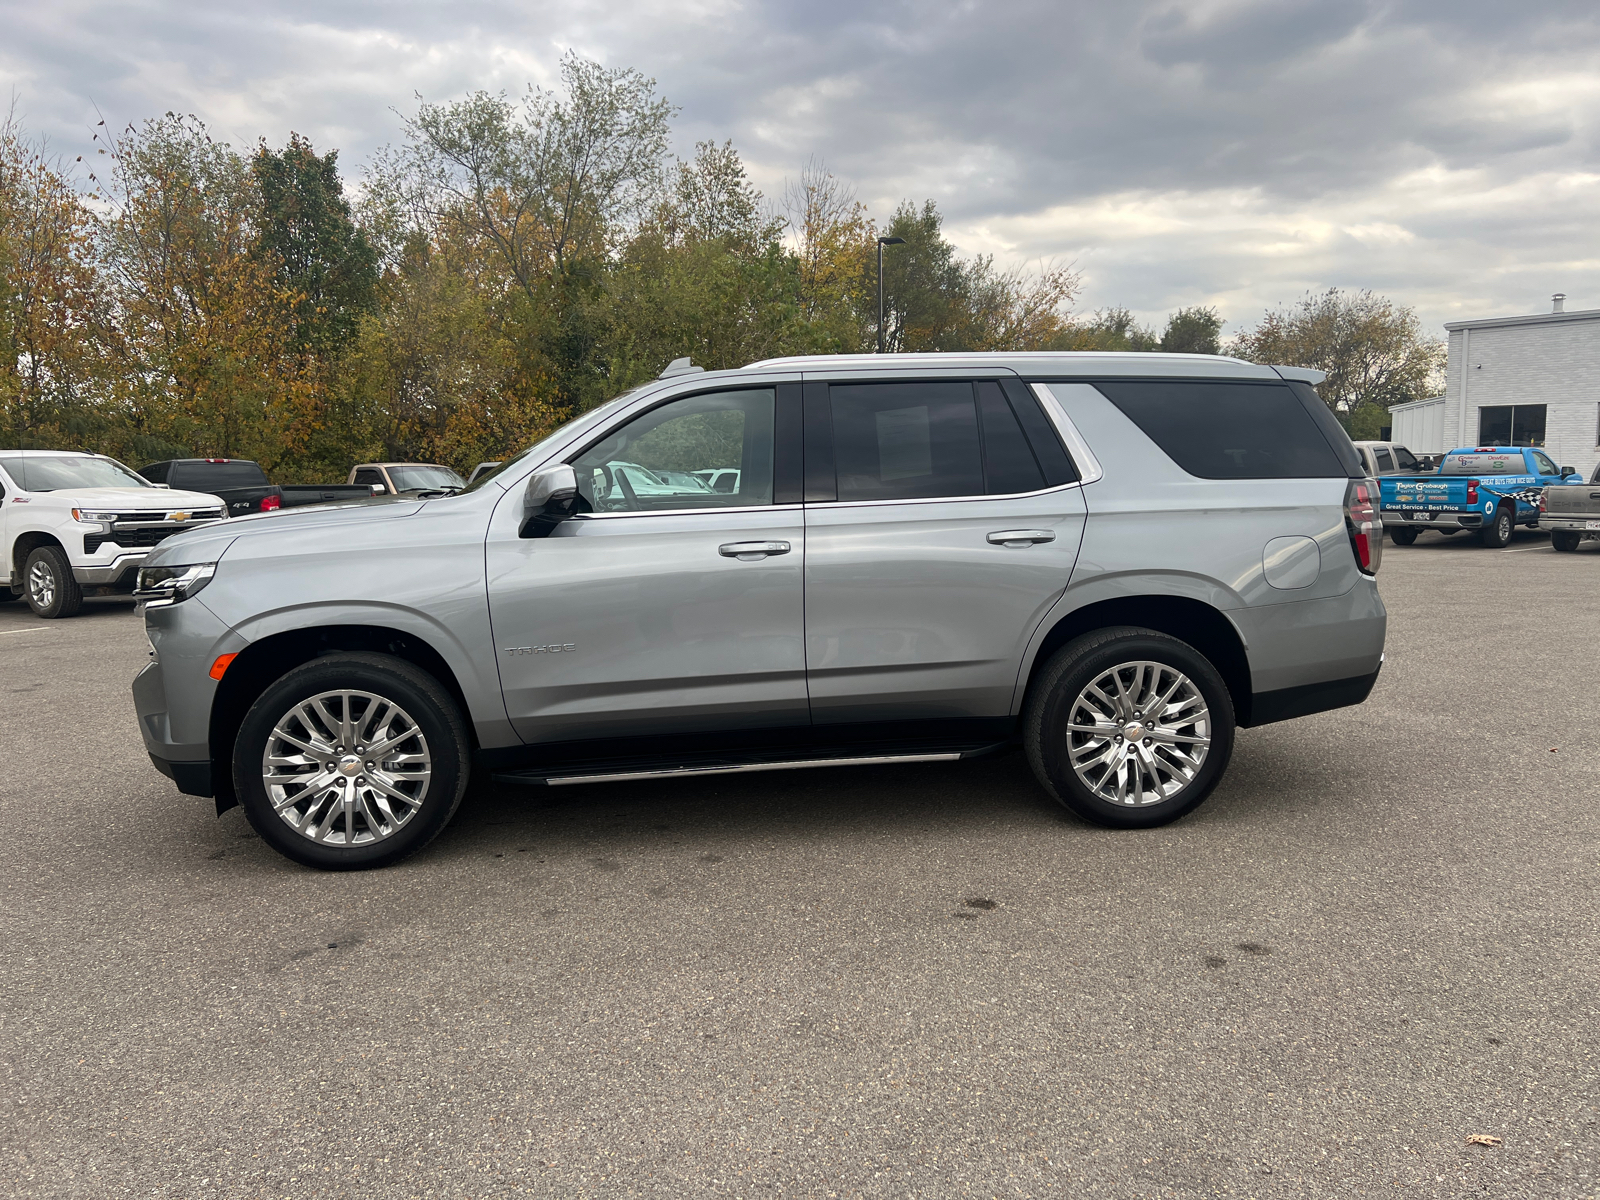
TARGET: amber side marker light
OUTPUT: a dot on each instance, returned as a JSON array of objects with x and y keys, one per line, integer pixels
[{"x": 221, "y": 665}]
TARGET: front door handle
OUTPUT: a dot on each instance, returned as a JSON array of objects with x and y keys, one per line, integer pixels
[
  {"x": 751, "y": 551},
  {"x": 1016, "y": 538}
]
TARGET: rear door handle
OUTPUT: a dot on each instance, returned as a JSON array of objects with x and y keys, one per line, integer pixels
[
  {"x": 1021, "y": 537},
  {"x": 751, "y": 551}
]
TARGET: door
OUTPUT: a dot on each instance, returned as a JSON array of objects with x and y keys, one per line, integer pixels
[
  {"x": 942, "y": 521},
  {"x": 672, "y": 606}
]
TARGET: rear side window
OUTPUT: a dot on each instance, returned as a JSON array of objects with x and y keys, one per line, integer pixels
[
  {"x": 905, "y": 441},
  {"x": 1385, "y": 461},
  {"x": 1008, "y": 461},
  {"x": 208, "y": 477},
  {"x": 156, "y": 472},
  {"x": 1228, "y": 430}
]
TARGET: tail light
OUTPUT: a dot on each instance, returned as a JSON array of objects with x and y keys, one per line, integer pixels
[
  {"x": 1364, "y": 524},
  {"x": 1472, "y": 491},
  {"x": 1541, "y": 501},
  {"x": 271, "y": 503}
]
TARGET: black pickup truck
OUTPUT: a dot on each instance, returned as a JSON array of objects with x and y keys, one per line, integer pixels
[{"x": 242, "y": 485}]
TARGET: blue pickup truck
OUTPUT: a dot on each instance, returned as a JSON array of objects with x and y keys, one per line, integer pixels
[{"x": 1488, "y": 489}]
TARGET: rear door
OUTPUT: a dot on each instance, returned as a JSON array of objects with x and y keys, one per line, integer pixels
[{"x": 942, "y": 521}]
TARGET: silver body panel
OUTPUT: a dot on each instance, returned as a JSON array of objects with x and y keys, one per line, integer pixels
[{"x": 880, "y": 610}]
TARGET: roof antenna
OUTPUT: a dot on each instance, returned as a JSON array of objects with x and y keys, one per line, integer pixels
[{"x": 681, "y": 366}]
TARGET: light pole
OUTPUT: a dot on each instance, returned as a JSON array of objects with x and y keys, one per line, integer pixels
[{"x": 882, "y": 242}]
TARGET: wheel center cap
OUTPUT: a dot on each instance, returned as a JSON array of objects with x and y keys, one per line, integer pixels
[
  {"x": 349, "y": 765},
  {"x": 1133, "y": 732}
]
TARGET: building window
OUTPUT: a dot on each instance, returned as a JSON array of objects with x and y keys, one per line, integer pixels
[{"x": 1511, "y": 425}]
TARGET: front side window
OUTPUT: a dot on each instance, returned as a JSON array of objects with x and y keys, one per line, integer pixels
[
  {"x": 1545, "y": 464},
  {"x": 904, "y": 441},
  {"x": 1406, "y": 459},
  {"x": 713, "y": 450},
  {"x": 369, "y": 476},
  {"x": 47, "y": 473}
]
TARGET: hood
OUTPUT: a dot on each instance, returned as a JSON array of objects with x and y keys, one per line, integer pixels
[
  {"x": 208, "y": 543},
  {"x": 132, "y": 499}
]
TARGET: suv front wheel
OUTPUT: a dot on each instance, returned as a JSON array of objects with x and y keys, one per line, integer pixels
[
  {"x": 1129, "y": 728},
  {"x": 351, "y": 761}
]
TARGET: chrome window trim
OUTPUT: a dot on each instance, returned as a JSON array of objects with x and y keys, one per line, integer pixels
[
  {"x": 1083, "y": 458},
  {"x": 684, "y": 512},
  {"x": 1063, "y": 487}
]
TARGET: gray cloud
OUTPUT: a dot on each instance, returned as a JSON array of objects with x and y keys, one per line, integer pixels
[{"x": 1226, "y": 151}]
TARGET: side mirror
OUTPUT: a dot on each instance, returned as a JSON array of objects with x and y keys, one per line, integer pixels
[
  {"x": 551, "y": 497},
  {"x": 1567, "y": 470},
  {"x": 378, "y": 489}
]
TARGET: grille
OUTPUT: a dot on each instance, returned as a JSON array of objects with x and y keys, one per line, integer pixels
[{"x": 141, "y": 530}]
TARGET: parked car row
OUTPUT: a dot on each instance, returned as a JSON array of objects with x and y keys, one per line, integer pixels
[
  {"x": 1485, "y": 490},
  {"x": 75, "y": 524}
]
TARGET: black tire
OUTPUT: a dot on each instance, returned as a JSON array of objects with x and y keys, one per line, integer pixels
[
  {"x": 7, "y": 595},
  {"x": 416, "y": 815},
  {"x": 1063, "y": 682},
  {"x": 1497, "y": 532},
  {"x": 1402, "y": 535},
  {"x": 48, "y": 584},
  {"x": 1448, "y": 532},
  {"x": 1564, "y": 539}
]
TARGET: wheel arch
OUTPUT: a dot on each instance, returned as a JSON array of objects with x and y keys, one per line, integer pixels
[
  {"x": 26, "y": 543},
  {"x": 1201, "y": 625},
  {"x": 259, "y": 664}
]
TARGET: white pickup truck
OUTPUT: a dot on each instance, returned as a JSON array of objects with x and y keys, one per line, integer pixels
[{"x": 72, "y": 523}]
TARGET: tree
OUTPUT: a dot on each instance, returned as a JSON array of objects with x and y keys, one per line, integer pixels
[
  {"x": 49, "y": 301},
  {"x": 200, "y": 336},
  {"x": 834, "y": 244},
  {"x": 1372, "y": 349},
  {"x": 1109, "y": 329},
  {"x": 1192, "y": 331},
  {"x": 318, "y": 254}
]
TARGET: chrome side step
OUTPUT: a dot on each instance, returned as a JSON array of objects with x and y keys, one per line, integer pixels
[{"x": 686, "y": 772}]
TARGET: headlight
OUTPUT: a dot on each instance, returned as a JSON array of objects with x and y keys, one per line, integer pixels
[
  {"x": 160, "y": 586},
  {"x": 83, "y": 514}
]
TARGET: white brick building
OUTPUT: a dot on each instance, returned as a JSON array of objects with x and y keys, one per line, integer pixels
[{"x": 1527, "y": 381}]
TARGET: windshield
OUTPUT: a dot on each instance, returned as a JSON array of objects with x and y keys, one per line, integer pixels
[
  {"x": 583, "y": 421},
  {"x": 47, "y": 473},
  {"x": 417, "y": 478}
]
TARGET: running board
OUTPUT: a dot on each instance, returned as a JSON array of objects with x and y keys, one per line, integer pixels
[{"x": 548, "y": 778}]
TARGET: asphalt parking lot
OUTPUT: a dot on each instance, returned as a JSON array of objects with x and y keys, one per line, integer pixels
[{"x": 1376, "y": 940}]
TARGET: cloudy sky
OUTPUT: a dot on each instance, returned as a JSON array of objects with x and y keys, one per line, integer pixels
[{"x": 1226, "y": 152}]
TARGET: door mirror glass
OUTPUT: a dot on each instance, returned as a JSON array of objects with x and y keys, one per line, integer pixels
[
  {"x": 712, "y": 450},
  {"x": 1568, "y": 470}
]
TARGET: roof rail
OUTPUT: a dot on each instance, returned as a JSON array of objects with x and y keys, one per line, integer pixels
[{"x": 681, "y": 366}]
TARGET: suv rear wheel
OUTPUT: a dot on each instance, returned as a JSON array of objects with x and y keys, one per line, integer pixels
[
  {"x": 48, "y": 583},
  {"x": 351, "y": 761},
  {"x": 1129, "y": 728}
]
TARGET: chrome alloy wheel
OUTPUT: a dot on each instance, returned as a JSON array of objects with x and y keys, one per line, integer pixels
[
  {"x": 1138, "y": 734},
  {"x": 346, "y": 768},
  {"x": 42, "y": 585}
]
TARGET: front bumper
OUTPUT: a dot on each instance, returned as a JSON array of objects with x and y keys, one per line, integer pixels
[
  {"x": 173, "y": 694},
  {"x": 122, "y": 571}
]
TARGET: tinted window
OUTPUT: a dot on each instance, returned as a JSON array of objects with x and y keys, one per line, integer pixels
[
  {"x": 209, "y": 477},
  {"x": 1228, "y": 430},
  {"x": 902, "y": 441},
  {"x": 1511, "y": 425},
  {"x": 156, "y": 472},
  {"x": 1406, "y": 459},
  {"x": 1008, "y": 462},
  {"x": 47, "y": 474},
  {"x": 1385, "y": 461},
  {"x": 369, "y": 476},
  {"x": 707, "y": 451}
]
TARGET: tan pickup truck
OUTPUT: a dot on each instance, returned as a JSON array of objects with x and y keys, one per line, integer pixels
[
  {"x": 1571, "y": 512},
  {"x": 400, "y": 478}
]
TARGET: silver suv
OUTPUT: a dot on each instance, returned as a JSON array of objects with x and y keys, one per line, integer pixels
[{"x": 1109, "y": 560}]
